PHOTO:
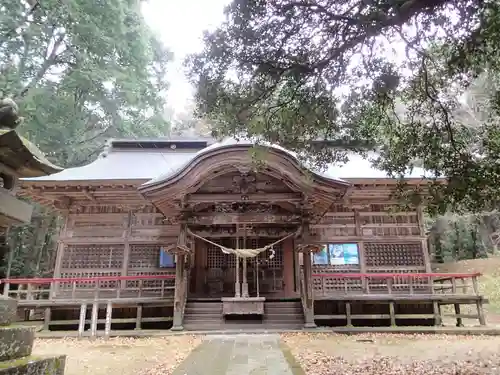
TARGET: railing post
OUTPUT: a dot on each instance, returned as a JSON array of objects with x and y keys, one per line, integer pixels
[
  {"x": 389, "y": 284},
  {"x": 119, "y": 286},
  {"x": 52, "y": 292},
  {"x": 73, "y": 290},
  {"x": 475, "y": 286},
  {"x": 140, "y": 288},
  {"x": 6, "y": 288}
]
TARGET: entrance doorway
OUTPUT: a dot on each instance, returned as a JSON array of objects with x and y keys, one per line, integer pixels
[{"x": 214, "y": 272}]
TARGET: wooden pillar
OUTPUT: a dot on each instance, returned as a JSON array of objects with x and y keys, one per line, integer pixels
[
  {"x": 126, "y": 250},
  {"x": 93, "y": 319},
  {"x": 138, "y": 317},
  {"x": 61, "y": 247},
  {"x": 361, "y": 247},
  {"x": 425, "y": 248},
  {"x": 200, "y": 260},
  {"x": 288, "y": 269},
  {"x": 178, "y": 298},
  {"x": 109, "y": 314},
  {"x": 46, "y": 319},
  {"x": 180, "y": 281},
  {"x": 308, "y": 298}
]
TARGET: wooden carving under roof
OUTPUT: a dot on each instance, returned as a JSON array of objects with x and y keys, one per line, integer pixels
[{"x": 230, "y": 174}]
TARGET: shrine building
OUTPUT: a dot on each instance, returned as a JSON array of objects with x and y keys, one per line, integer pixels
[{"x": 201, "y": 235}]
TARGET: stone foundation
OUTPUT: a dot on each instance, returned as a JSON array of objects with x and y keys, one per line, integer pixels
[{"x": 16, "y": 344}]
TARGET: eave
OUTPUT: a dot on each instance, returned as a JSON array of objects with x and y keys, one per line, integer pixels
[{"x": 23, "y": 157}]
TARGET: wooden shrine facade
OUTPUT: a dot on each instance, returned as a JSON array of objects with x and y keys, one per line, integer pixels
[
  {"x": 119, "y": 227},
  {"x": 157, "y": 220}
]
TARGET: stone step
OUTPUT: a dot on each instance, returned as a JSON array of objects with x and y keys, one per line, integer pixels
[{"x": 223, "y": 326}]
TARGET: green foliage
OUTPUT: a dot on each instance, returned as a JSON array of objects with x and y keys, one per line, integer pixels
[
  {"x": 291, "y": 72},
  {"x": 454, "y": 238},
  {"x": 81, "y": 71}
]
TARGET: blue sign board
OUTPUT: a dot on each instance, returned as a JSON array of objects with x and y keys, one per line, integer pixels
[{"x": 166, "y": 260}]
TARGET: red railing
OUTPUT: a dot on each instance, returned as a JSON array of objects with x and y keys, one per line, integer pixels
[
  {"x": 325, "y": 284},
  {"x": 107, "y": 287},
  {"x": 84, "y": 279}
]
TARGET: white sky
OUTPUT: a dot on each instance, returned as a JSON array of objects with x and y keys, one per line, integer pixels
[{"x": 180, "y": 24}]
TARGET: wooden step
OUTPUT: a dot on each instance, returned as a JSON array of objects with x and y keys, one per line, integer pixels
[{"x": 277, "y": 315}]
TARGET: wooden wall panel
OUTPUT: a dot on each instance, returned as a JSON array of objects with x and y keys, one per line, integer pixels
[{"x": 389, "y": 240}]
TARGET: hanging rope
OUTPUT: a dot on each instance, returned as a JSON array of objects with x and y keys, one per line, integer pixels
[{"x": 244, "y": 253}]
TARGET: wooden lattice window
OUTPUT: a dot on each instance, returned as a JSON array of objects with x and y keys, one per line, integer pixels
[
  {"x": 144, "y": 256},
  {"x": 394, "y": 254},
  {"x": 93, "y": 256},
  {"x": 89, "y": 284}
]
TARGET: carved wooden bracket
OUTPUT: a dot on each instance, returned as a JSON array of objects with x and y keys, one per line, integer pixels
[{"x": 312, "y": 248}]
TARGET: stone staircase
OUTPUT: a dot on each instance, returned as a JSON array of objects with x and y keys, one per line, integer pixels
[
  {"x": 16, "y": 344},
  {"x": 207, "y": 315}
]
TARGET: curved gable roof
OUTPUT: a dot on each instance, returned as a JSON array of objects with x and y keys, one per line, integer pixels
[{"x": 233, "y": 144}]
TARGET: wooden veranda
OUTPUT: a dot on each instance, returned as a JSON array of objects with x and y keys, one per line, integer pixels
[{"x": 345, "y": 291}]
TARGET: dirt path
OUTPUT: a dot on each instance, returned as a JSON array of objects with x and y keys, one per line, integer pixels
[
  {"x": 121, "y": 356},
  {"x": 322, "y": 354}
]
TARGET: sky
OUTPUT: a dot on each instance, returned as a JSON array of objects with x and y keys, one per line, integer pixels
[{"x": 180, "y": 24}]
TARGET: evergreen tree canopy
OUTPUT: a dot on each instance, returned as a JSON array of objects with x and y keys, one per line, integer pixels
[
  {"x": 81, "y": 71},
  {"x": 384, "y": 73}
]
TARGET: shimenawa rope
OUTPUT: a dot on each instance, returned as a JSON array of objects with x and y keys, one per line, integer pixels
[{"x": 244, "y": 253}]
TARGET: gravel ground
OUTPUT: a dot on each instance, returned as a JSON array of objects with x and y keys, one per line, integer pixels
[
  {"x": 376, "y": 354},
  {"x": 123, "y": 356}
]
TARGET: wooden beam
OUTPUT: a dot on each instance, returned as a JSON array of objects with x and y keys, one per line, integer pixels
[
  {"x": 257, "y": 197},
  {"x": 223, "y": 218}
]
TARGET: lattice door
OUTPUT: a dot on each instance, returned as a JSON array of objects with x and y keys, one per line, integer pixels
[
  {"x": 269, "y": 271},
  {"x": 220, "y": 270}
]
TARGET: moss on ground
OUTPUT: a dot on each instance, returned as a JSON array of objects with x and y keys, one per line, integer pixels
[{"x": 18, "y": 362}]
